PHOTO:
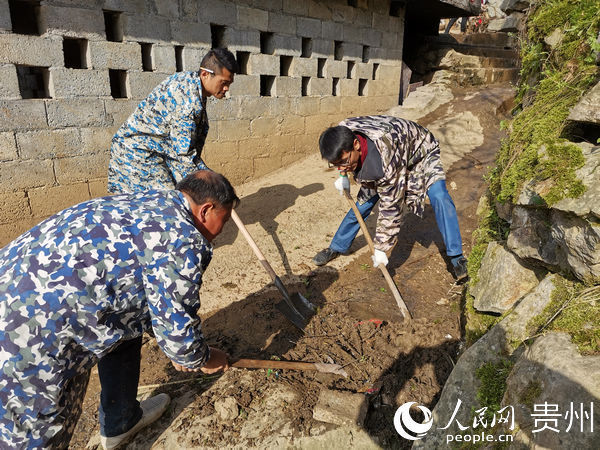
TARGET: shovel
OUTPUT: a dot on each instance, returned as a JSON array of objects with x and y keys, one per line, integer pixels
[
  {"x": 296, "y": 308},
  {"x": 390, "y": 281},
  {"x": 292, "y": 365}
]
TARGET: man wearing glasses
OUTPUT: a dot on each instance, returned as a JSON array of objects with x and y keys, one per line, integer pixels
[
  {"x": 398, "y": 162},
  {"x": 161, "y": 142}
]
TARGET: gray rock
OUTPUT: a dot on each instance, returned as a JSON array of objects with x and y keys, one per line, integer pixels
[
  {"x": 265, "y": 417},
  {"x": 580, "y": 241},
  {"x": 226, "y": 408},
  {"x": 588, "y": 108},
  {"x": 498, "y": 343},
  {"x": 565, "y": 237},
  {"x": 503, "y": 280},
  {"x": 530, "y": 237},
  {"x": 504, "y": 211},
  {"x": 555, "y": 38},
  {"x": 340, "y": 408},
  {"x": 560, "y": 241},
  {"x": 588, "y": 204},
  {"x": 509, "y": 6},
  {"x": 509, "y": 24},
  {"x": 553, "y": 371},
  {"x": 494, "y": 9}
]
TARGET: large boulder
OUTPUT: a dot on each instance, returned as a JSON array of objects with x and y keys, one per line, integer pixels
[
  {"x": 588, "y": 108},
  {"x": 509, "y": 6},
  {"x": 566, "y": 236},
  {"x": 509, "y": 24},
  {"x": 503, "y": 280},
  {"x": 552, "y": 371},
  {"x": 499, "y": 343}
]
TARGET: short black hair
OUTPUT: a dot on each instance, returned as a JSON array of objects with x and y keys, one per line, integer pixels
[
  {"x": 334, "y": 141},
  {"x": 208, "y": 186},
  {"x": 217, "y": 58}
]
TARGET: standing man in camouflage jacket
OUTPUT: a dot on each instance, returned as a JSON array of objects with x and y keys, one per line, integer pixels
[
  {"x": 85, "y": 284},
  {"x": 398, "y": 162},
  {"x": 162, "y": 140}
]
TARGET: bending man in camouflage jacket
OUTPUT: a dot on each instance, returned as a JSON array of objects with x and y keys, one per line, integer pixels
[
  {"x": 398, "y": 162},
  {"x": 162, "y": 141},
  {"x": 92, "y": 279}
]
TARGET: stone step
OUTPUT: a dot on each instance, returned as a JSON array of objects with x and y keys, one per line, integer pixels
[
  {"x": 498, "y": 63},
  {"x": 474, "y": 77},
  {"x": 500, "y": 40},
  {"x": 496, "y": 45},
  {"x": 477, "y": 50}
]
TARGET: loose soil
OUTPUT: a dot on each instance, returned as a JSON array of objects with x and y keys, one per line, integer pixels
[{"x": 389, "y": 361}]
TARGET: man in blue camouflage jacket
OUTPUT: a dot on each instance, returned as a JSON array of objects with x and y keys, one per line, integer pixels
[
  {"x": 162, "y": 141},
  {"x": 396, "y": 162},
  {"x": 92, "y": 279}
]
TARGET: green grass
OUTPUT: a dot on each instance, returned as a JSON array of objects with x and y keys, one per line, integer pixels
[{"x": 574, "y": 308}]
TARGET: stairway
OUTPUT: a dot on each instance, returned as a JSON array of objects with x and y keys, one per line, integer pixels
[{"x": 471, "y": 59}]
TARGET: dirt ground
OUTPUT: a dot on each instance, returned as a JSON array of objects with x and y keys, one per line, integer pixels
[{"x": 292, "y": 214}]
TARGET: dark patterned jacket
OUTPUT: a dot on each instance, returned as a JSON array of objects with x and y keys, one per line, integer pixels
[{"x": 410, "y": 156}]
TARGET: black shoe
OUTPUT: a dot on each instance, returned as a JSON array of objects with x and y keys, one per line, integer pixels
[
  {"x": 460, "y": 268},
  {"x": 324, "y": 256}
]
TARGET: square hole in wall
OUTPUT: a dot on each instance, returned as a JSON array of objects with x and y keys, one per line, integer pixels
[
  {"x": 285, "y": 62},
  {"x": 75, "y": 53},
  {"x": 242, "y": 59},
  {"x": 321, "y": 67},
  {"x": 396, "y": 7},
  {"x": 305, "y": 81},
  {"x": 338, "y": 50},
  {"x": 335, "y": 87},
  {"x": 25, "y": 17},
  {"x": 179, "y": 58},
  {"x": 306, "y": 48},
  {"x": 375, "y": 70},
  {"x": 266, "y": 43},
  {"x": 113, "y": 25},
  {"x": 365, "y": 53},
  {"x": 350, "y": 70},
  {"x": 266, "y": 85},
  {"x": 217, "y": 35},
  {"x": 147, "y": 56},
  {"x": 118, "y": 83},
  {"x": 362, "y": 86},
  {"x": 34, "y": 81}
]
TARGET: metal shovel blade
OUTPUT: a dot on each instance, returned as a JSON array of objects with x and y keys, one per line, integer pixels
[{"x": 296, "y": 308}]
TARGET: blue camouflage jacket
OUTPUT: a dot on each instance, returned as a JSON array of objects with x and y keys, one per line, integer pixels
[
  {"x": 162, "y": 141},
  {"x": 89, "y": 277}
]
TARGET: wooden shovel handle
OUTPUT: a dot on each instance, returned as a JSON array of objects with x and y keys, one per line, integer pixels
[
  {"x": 390, "y": 281},
  {"x": 253, "y": 245},
  {"x": 273, "y": 364}
]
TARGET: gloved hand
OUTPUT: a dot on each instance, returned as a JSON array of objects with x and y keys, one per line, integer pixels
[
  {"x": 379, "y": 257},
  {"x": 342, "y": 184}
]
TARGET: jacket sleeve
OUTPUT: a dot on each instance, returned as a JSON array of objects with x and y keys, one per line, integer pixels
[{"x": 172, "y": 285}]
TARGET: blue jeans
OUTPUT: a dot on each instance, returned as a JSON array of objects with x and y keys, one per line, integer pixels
[
  {"x": 445, "y": 216},
  {"x": 119, "y": 373}
]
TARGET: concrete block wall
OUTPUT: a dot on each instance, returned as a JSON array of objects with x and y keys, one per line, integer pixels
[{"x": 72, "y": 72}]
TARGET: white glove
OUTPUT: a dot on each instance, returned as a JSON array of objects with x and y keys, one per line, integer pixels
[
  {"x": 379, "y": 257},
  {"x": 342, "y": 184}
]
